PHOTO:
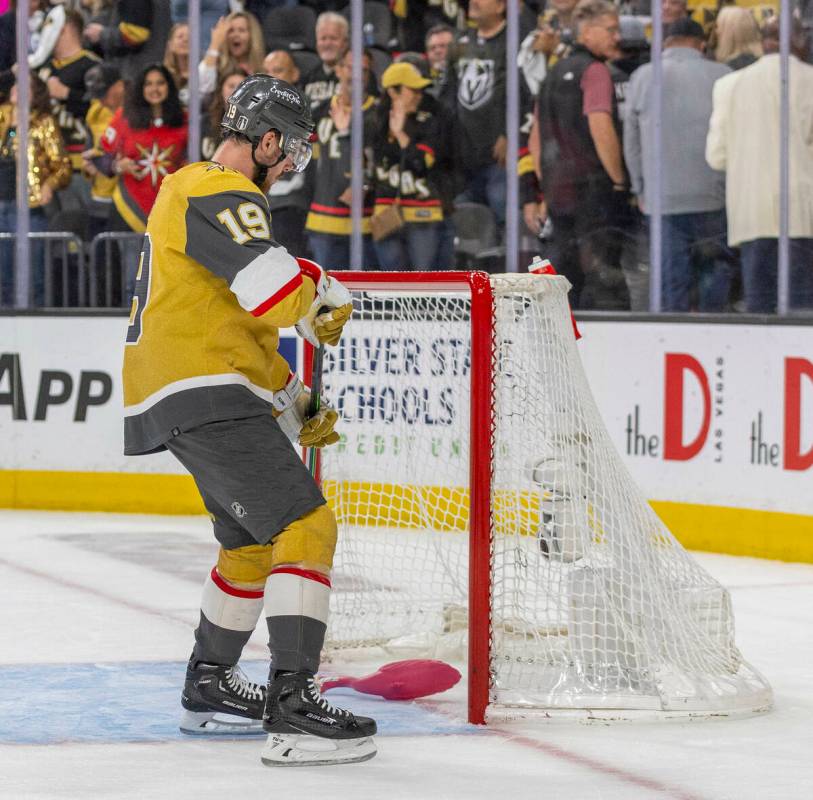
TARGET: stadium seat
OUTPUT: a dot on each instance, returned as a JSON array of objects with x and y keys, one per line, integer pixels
[
  {"x": 379, "y": 16},
  {"x": 381, "y": 60},
  {"x": 290, "y": 28},
  {"x": 305, "y": 61},
  {"x": 475, "y": 241}
]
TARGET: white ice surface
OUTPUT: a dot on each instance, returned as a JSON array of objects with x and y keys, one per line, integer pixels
[{"x": 68, "y": 600}]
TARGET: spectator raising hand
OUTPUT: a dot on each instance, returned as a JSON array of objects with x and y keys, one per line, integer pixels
[
  {"x": 329, "y": 225},
  {"x": 406, "y": 177},
  {"x": 340, "y": 114},
  {"x": 218, "y": 38},
  {"x": 236, "y": 42},
  {"x": 398, "y": 115}
]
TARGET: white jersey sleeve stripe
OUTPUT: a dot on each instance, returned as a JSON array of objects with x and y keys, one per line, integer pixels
[{"x": 264, "y": 277}]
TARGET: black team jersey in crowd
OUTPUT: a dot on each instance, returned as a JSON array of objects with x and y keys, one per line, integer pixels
[
  {"x": 131, "y": 27},
  {"x": 481, "y": 97},
  {"x": 416, "y": 17},
  {"x": 329, "y": 172},
  {"x": 135, "y": 35},
  {"x": 321, "y": 83},
  {"x": 411, "y": 170},
  {"x": 70, "y": 113}
]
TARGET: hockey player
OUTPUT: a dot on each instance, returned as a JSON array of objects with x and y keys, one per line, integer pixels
[{"x": 203, "y": 379}]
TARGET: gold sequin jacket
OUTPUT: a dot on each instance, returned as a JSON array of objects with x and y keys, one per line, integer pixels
[{"x": 47, "y": 160}]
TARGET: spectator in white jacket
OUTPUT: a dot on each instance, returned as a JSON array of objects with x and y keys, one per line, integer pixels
[{"x": 743, "y": 140}]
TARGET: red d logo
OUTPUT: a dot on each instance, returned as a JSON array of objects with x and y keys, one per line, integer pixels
[
  {"x": 795, "y": 459},
  {"x": 677, "y": 364}
]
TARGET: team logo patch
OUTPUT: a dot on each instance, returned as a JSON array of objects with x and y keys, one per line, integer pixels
[
  {"x": 476, "y": 83},
  {"x": 238, "y": 509}
]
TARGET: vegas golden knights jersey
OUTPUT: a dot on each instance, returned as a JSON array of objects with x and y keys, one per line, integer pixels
[{"x": 211, "y": 292}]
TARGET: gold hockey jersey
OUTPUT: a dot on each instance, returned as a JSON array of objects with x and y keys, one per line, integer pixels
[{"x": 212, "y": 291}]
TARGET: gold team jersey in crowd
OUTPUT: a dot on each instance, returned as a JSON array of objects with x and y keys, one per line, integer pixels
[{"x": 211, "y": 293}]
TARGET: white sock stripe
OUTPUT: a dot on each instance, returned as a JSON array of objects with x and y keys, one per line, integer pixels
[
  {"x": 287, "y": 594},
  {"x": 227, "y": 610}
]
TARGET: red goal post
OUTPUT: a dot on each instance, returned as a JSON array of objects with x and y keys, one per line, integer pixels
[{"x": 478, "y": 285}]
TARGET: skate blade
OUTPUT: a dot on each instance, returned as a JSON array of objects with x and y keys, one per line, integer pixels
[
  {"x": 302, "y": 750},
  {"x": 210, "y": 723}
]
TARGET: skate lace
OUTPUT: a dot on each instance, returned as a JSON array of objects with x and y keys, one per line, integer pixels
[
  {"x": 242, "y": 686},
  {"x": 316, "y": 697}
]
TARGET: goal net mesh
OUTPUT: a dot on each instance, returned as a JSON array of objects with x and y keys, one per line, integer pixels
[{"x": 594, "y": 604}]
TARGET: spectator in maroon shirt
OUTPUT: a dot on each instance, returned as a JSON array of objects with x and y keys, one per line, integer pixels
[{"x": 583, "y": 176}]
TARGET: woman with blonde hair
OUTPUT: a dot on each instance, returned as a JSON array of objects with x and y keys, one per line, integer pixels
[
  {"x": 176, "y": 58},
  {"x": 739, "y": 42},
  {"x": 237, "y": 41}
]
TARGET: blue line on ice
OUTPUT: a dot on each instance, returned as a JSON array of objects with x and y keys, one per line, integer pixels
[{"x": 140, "y": 702}]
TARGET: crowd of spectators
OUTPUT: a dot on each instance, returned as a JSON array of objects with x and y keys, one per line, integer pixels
[{"x": 109, "y": 120}]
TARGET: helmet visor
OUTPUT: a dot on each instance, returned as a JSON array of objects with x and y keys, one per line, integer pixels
[{"x": 298, "y": 150}]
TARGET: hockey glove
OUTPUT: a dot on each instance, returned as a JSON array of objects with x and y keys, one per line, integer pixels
[
  {"x": 330, "y": 310},
  {"x": 291, "y": 409},
  {"x": 318, "y": 430}
]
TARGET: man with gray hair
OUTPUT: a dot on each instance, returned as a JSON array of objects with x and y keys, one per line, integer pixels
[
  {"x": 583, "y": 177},
  {"x": 332, "y": 39},
  {"x": 693, "y": 252}
]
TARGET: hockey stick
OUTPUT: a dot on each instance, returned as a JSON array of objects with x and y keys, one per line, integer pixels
[
  {"x": 400, "y": 680},
  {"x": 316, "y": 399}
]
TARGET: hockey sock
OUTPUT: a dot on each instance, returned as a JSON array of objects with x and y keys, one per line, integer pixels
[
  {"x": 296, "y": 609},
  {"x": 228, "y": 615}
]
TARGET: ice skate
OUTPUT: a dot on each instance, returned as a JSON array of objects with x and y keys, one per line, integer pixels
[
  {"x": 220, "y": 701},
  {"x": 304, "y": 729}
]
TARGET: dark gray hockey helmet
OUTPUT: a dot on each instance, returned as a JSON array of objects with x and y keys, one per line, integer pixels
[{"x": 262, "y": 103}]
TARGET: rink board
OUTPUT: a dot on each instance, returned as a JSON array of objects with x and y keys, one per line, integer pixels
[{"x": 714, "y": 421}]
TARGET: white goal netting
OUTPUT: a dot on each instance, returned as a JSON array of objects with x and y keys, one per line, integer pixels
[{"x": 594, "y": 604}]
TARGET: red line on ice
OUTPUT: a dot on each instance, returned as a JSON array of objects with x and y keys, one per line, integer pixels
[
  {"x": 110, "y": 598},
  {"x": 598, "y": 766},
  {"x": 560, "y": 753}
]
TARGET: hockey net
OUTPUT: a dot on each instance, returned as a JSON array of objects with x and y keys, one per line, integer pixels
[{"x": 484, "y": 513}]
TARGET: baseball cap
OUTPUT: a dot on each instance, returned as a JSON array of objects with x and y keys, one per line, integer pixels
[
  {"x": 403, "y": 74},
  {"x": 686, "y": 27}
]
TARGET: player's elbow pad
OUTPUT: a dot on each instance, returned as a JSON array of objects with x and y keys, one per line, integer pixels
[{"x": 266, "y": 281}]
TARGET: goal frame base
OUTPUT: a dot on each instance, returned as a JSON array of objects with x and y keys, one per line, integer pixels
[{"x": 506, "y": 715}]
